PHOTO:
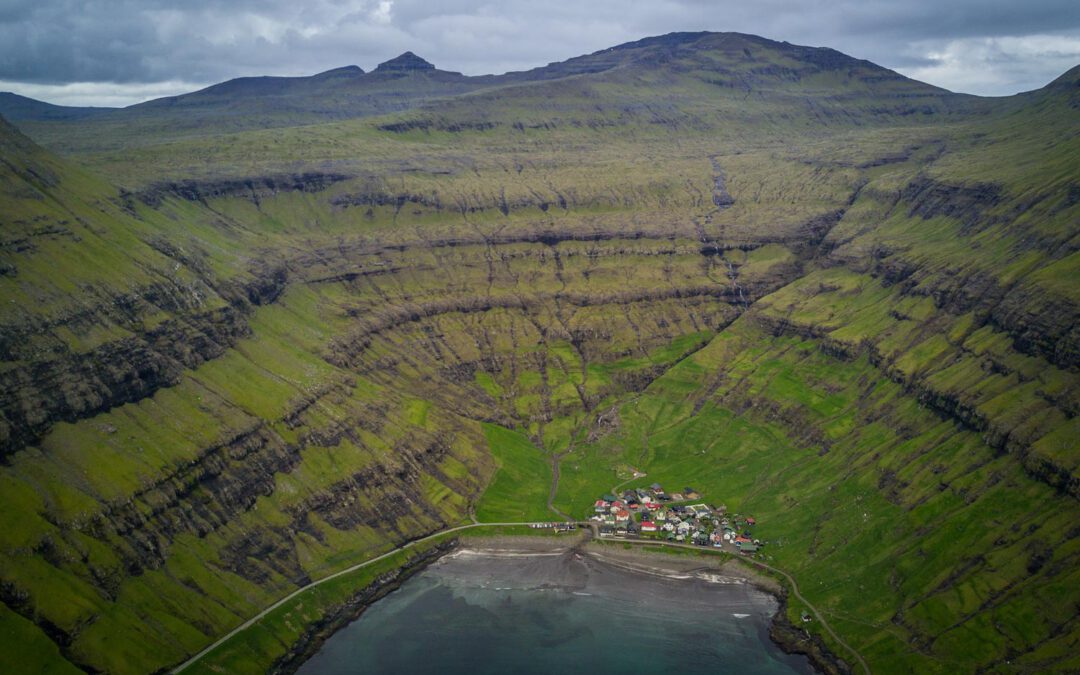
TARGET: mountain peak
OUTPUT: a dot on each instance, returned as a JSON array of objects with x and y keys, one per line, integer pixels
[{"x": 406, "y": 63}]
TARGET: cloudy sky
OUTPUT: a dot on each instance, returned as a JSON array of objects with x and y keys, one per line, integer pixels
[{"x": 117, "y": 52}]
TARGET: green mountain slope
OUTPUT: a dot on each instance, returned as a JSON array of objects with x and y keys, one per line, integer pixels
[
  {"x": 816, "y": 290},
  {"x": 158, "y": 386}
]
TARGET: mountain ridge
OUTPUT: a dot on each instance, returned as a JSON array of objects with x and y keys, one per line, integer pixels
[
  {"x": 25, "y": 108},
  {"x": 16, "y": 107},
  {"x": 589, "y": 63},
  {"x": 711, "y": 79}
]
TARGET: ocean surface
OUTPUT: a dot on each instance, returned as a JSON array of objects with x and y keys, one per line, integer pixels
[{"x": 481, "y": 613}]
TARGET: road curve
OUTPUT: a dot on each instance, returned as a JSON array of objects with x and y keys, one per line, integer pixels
[{"x": 247, "y": 624}]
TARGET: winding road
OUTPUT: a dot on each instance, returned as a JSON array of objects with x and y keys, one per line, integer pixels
[{"x": 589, "y": 524}]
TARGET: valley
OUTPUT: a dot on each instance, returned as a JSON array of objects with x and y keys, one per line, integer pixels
[{"x": 242, "y": 357}]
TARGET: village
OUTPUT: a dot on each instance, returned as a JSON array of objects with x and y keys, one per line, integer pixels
[
  {"x": 652, "y": 513},
  {"x": 679, "y": 517}
]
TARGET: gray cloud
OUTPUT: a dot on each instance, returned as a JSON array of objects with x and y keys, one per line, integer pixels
[{"x": 150, "y": 47}]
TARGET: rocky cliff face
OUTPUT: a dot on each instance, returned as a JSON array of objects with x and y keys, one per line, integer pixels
[{"x": 67, "y": 386}]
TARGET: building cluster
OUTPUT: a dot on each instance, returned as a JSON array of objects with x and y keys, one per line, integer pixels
[{"x": 653, "y": 513}]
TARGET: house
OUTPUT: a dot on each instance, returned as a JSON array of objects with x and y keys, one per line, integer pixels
[
  {"x": 691, "y": 493},
  {"x": 621, "y": 515},
  {"x": 601, "y": 506},
  {"x": 750, "y": 521},
  {"x": 741, "y": 540},
  {"x": 677, "y": 497},
  {"x": 648, "y": 526},
  {"x": 655, "y": 487},
  {"x": 668, "y": 527},
  {"x": 661, "y": 516},
  {"x": 609, "y": 498},
  {"x": 606, "y": 531},
  {"x": 748, "y": 548}
]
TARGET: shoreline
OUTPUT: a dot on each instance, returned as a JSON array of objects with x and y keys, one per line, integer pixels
[
  {"x": 789, "y": 637},
  {"x": 317, "y": 633}
]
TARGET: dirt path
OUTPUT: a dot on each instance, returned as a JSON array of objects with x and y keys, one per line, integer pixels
[
  {"x": 615, "y": 490},
  {"x": 250, "y": 622},
  {"x": 555, "y": 460}
]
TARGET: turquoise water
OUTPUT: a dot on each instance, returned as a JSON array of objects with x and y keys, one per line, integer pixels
[{"x": 557, "y": 614}]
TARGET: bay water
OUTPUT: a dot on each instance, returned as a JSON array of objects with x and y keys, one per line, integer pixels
[{"x": 560, "y": 612}]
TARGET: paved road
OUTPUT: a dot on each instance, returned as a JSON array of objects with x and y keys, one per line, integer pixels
[
  {"x": 313, "y": 584},
  {"x": 790, "y": 579}
]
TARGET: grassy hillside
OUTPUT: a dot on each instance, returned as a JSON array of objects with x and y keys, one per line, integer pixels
[{"x": 817, "y": 291}]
